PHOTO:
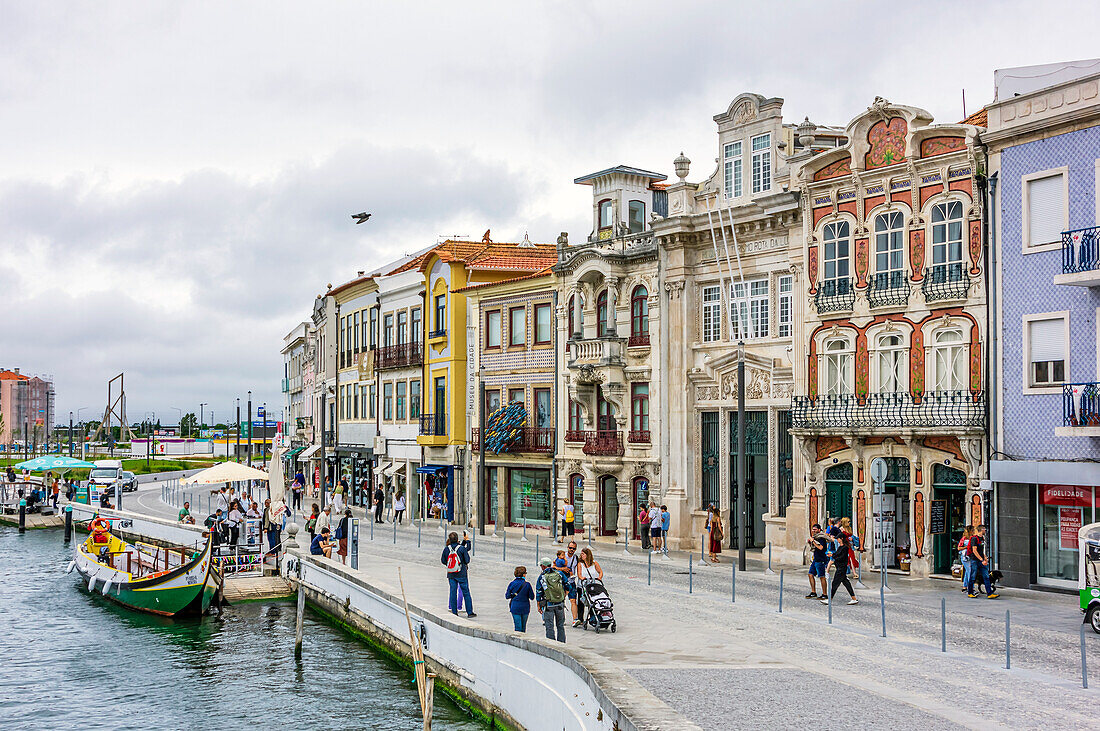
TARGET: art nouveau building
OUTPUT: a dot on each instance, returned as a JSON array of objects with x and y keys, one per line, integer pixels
[
  {"x": 895, "y": 336},
  {"x": 609, "y": 328}
]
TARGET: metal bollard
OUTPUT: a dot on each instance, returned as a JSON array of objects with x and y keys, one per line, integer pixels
[
  {"x": 1084, "y": 667},
  {"x": 525, "y": 532},
  {"x": 536, "y": 549},
  {"x": 395, "y": 532},
  {"x": 780, "y": 591},
  {"x": 371, "y": 527},
  {"x": 703, "y": 547},
  {"x": 943, "y": 624},
  {"x": 649, "y": 573},
  {"x": 691, "y": 556},
  {"x": 68, "y": 523},
  {"x": 733, "y": 582},
  {"x": 473, "y": 543},
  {"x": 829, "y": 588},
  {"x": 504, "y": 548},
  {"x": 590, "y": 535},
  {"x": 882, "y": 604},
  {"x": 355, "y": 543},
  {"x": 1008, "y": 641},
  {"x": 418, "y": 525},
  {"x": 23, "y": 516},
  {"x": 769, "y": 569}
]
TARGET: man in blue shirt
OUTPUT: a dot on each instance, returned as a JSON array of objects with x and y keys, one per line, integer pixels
[
  {"x": 321, "y": 545},
  {"x": 819, "y": 544},
  {"x": 666, "y": 523},
  {"x": 456, "y": 557}
]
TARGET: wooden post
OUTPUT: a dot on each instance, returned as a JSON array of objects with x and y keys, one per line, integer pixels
[
  {"x": 300, "y": 621},
  {"x": 429, "y": 688}
]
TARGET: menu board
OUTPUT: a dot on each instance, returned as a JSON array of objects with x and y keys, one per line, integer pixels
[{"x": 938, "y": 517}]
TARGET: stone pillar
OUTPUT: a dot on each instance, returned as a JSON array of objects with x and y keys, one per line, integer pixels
[{"x": 612, "y": 305}]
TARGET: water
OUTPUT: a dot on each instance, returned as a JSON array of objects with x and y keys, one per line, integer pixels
[{"x": 73, "y": 660}]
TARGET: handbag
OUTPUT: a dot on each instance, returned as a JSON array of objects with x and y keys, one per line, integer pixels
[{"x": 717, "y": 533}]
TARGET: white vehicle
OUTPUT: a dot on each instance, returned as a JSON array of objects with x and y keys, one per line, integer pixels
[{"x": 105, "y": 475}]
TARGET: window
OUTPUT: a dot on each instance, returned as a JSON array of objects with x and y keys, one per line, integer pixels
[
  {"x": 712, "y": 314},
  {"x": 750, "y": 312},
  {"x": 515, "y": 395},
  {"x": 639, "y": 311},
  {"x": 888, "y": 244},
  {"x": 786, "y": 302},
  {"x": 601, "y": 314},
  {"x": 639, "y": 407},
  {"x": 544, "y": 418},
  {"x": 947, "y": 237},
  {"x": 341, "y": 337},
  {"x": 415, "y": 334},
  {"x": 387, "y": 330},
  {"x": 636, "y": 218},
  {"x": 575, "y": 416},
  {"x": 572, "y": 304},
  {"x": 492, "y": 401},
  {"x": 373, "y": 400},
  {"x": 732, "y": 154},
  {"x": 1046, "y": 209},
  {"x": 355, "y": 331},
  {"x": 761, "y": 163},
  {"x": 414, "y": 399},
  {"x": 606, "y": 214},
  {"x": 387, "y": 401},
  {"x": 517, "y": 326},
  {"x": 402, "y": 327},
  {"x": 354, "y": 402},
  {"x": 543, "y": 324},
  {"x": 837, "y": 373},
  {"x": 373, "y": 327},
  {"x": 892, "y": 362},
  {"x": 401, "y": 386},
  {"x": 837, "y": 247},
  {"x": 492, "y": 329},
  {"x": 441, "y": 313},
  {"x": 949, "y": 360},
  {"x": 1046, "y": 341},
  {"x": 605, "y": 412},
  {"x": 364, "y": 408}
]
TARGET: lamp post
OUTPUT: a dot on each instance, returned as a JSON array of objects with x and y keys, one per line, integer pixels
[
  {"x": 70, "y": 434},
  {"x": 249, "y": 428},
  {"x": 177, "y": 408},
  {"x": 237, "y": 451},
  {"x": 741, "y": 455},
  {"x": 83, "y": 431},
  {"x": 201, "y": 415}
]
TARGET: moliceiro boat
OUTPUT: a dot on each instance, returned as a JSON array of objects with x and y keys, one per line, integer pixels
[{"x": 166, "y": 581}]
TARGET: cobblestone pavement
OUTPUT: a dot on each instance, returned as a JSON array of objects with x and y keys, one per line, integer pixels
[{"x": 672, "y": 640}]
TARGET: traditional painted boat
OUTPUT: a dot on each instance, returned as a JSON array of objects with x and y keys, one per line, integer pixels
[{"x": 166, "y": 581}]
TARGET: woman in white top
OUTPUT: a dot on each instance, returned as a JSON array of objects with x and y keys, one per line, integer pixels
[
  {"x": 398, "y": 506},
  {"x": 233, "y": 521},
  {"x": 589, "y": 567}
]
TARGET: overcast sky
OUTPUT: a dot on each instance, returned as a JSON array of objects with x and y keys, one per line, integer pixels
[{"x": 177, "y": 179}]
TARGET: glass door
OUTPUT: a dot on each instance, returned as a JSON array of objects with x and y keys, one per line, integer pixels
[
  {"x": 609, "y": 506},
  {"x": 756, "y": 477},
  {"x": 948, "y": 484}
]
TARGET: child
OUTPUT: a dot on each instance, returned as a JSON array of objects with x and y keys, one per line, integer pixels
[{"x": 520, "y": 594}]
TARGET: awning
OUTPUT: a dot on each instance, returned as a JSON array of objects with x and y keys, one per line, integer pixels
[
  {"x": 293, "y": 453},
  {"x": 392, "y": 467},
  {"x": 310, "y": 451},
  {"x": 432, "y": 469}
]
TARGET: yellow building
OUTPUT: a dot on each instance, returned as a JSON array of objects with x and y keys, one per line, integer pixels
[{"x": 449, "y": 392}]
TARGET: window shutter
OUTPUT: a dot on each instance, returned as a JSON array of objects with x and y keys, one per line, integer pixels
[
  {"x": 1048, "y": 340},
  {"x": 1046, "y": 210}
]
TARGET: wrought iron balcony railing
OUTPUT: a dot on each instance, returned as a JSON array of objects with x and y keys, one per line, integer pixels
[
  {"x": 399, "y": 356},
  {"x": 638, "y": 436},
  {"x": 929, "y": 410},
  {"x": 946, "y": 282},
  {"x": 638, "y": 340},
  {"x": 606, "y": 443},
  {"x": 1081, "y": 250},
  {"x": 531, "y": 439},
  {"x": 441, "y": 333},
  {"x": 574, "y": 435},
  {"x": 1081, "y": 404},
  {"x": 433, "y": 425},
  {"x": 835, "y": 295},
  {"x": 887, "y": 289}
]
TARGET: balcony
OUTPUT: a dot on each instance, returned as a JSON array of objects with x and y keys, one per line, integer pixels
[
  {"x": 574, "y": 435},
  {"x": 835, "y": 295},
  {"x": 531, "y": 439},
  {"x": 942, "y": 411},
  {"x": 433, "y": 425},
  {"x": 636, "y": 436},
  {"x": 434, "y": 334},
  {"x": 603, "y": 443},
  {"x": 596, "y": 351},
  {"x": 888, "y": 289},
  {"x": 638, "y": 340},
  {"x": 1080, "y": 410},
  {"x": 1080, "y": 258},
  {"x": 946, "y": 282},
  {"x": 399, "y": 356}
]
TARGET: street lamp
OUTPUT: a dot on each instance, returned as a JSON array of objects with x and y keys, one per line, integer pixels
[
  {"x": 250, "y": 428},
  {"x": 201, "y": 415},
  {"x": 70, "y": 434},
  {"x": 237, "y": 451},
  {"x": 177, "y": 408},
  {"x": 741, "y": 455}
]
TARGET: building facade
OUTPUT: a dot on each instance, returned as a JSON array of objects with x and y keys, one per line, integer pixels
[
  {"x": 1043, "y": 141},
  {"x": 895, "y": 337},
  {"x": 295, "y": 345}
]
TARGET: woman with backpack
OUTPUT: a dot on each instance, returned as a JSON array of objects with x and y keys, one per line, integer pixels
[
  {"x": 456, "y": 557},
  {"x": 714, "y": 530},
  {"x": 519, "y": 593},
  {"x": 839, "y": 557}
]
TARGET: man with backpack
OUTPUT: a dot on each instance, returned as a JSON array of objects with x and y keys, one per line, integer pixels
[
  {"x": 456, "y": 557},
  {"x": 550, "y": 595}
]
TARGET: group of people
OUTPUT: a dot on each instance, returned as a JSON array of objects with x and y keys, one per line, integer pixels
[
  {"x": 654, "y": 523},
  {"x": 231, "y": 511},
  {"x": 559, "y": 584},
  {"x": 45, "y": 492},
  {"x": 835, "y": 548},
  {"x": 975, "y": 561}
]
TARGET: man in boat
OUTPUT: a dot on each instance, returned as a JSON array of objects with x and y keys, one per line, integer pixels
[{"x": 321, "y": 545}]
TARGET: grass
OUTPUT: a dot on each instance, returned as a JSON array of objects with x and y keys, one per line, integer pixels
[{"x": 137, "y": 466}]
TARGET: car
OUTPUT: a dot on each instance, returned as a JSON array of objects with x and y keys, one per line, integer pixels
[{"x": 129, "y": 482}]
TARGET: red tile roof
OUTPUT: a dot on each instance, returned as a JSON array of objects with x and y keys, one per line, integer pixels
[
  {"x": 12, "y": 376},
  {"x": 545, "y": 272},
  {"x": 979, "y": 118},
  {"x": 494, "y": 256}
]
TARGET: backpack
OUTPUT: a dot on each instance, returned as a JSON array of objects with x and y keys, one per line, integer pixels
[
  {"x": 569, "y": 516},
  {"x": 553, "y": 588},
  {"x": 454, "y": 561}
]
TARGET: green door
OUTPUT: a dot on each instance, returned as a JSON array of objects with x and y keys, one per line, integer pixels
[
  {"x": 948, "y": 484},
  {"x": 838, "y": 491},
  {"x": 756, "y": 478}
]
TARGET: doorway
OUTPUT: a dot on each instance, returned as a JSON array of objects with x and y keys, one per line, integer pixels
[
  {"x": 641, "y": 497},
  {"x": 838, "y": 491},
  {"x": 949, "y": 485},
  {"x": 756, "y": 477},
  {"x": 576, "y": 499},
  {"x": 609, "y": 506}
]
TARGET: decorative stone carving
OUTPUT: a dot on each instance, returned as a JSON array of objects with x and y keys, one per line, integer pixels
[
  {"x": 745, "y": 112},
  {"x": 706, "y": 393},
  {"x": 972, "y": 450},
  {"x": 588, "y": 374},
  {"x": 782, "y": 390},
  {"x": 759, "y": 384},
  {"x": 674, "y": 289}
]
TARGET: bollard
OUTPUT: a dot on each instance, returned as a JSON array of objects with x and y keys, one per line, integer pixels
[
  {"x": 882, "y": 604},
  {"x": 703, "y": 548},
  {"x": 418, "y": 534},
  {"x": 1084, "y": 667},
  {"x": 536, "y": 549},
  {"x": 1008, "y": 641},
  {"x": 769, "y": 569},
  {"x": 829, "y": 588},
  {"x": 691, "y": 556},
  {"x": 649, "y": 571},
  {"x": 68, "y": 523},
  {"x": 780, "y": 591},
  {"x": 23, "y": 516},
  {"x": 943, "y": 624},
  {"x": 371, "y": 527},
  {"x": 733, "y": 582},
  {"x": 473, "y": 543},
  {"x": 525, "y": 532},
  {"x": 590, "y": 535},
  {"x": 504, "y": 548},
  {"x": 626, "y": 544},
  {"x": 395, "y": 532}
]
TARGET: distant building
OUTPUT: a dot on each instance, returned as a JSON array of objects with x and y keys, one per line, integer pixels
[{"x": 27, "y": 407}]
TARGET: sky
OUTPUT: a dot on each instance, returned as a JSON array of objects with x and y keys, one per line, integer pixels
[{"x": 177, "y": 179}]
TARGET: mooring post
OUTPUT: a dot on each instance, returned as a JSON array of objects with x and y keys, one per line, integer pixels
[
  {"x": 68, "y": 523},
  {"x": 429, "y": 689},
  {"x": 300, "y": 620},
  {"x": 22, "y": 516}
]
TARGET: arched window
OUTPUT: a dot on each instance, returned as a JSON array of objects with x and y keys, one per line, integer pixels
[
  {"x": 601, "y": 314},
  {"x": 889, "y": 250},
  {"x": 836, "y": 263},
  {"x": 947, "y": 241},
  {"x": 891, "y": 358},
  {"x": 837, "y": 372},
  {"x": 636, "y": 210},
  {"x": 948, "y": 360},
  {"x": 639, "y": 315},
  {"x": 606, "y": 214}
]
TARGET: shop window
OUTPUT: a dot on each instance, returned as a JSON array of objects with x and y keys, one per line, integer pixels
[
  {"x": 491, "y": 479},
  {"x": 576, "y": 499},
  {"x": 1063, "y": 510},
  {"x": 529, "y": 497}
]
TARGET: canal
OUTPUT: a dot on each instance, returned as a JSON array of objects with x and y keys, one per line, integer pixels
[{"x": 73, "y": 660}]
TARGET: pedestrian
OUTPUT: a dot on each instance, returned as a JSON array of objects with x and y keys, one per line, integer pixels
[
  {"x": 233, "y": 523},
  {"x": 311, "y": 522},
  {"x": 185, "y": 514},
  {"x": 845, "y": 526},
  {"x": 326, "y": 517},
  {"x": 715, "y": 533},
  {"x": 222, "y": 502},
  {"x": 979, "y": 564},
  {"x": 587, "y": 569},
  {"x": 271, "y": 527},
  {"x": 379, "y": 503},
  {"x": 55, "y": 491},
  {"x": 963, "y": 548},
  {"x": 253, "y": 511},
  {"x": 456, "y": 557},
  {"x": 567, "y": 521},
  {"x": 655, "y": 526},
  {"x": 215, "y": 522},
  {"x": 70, "y": 489},
  {"x": 572, "y": 562},
  {"x": 338, "y": 496},
  {"x": 519, "y": 593},
  {"x": 666, "y": 523},
  {"x": 320, "y": 545},
  {"x": 399, "y": 506},
  {"x": 819, "y": 559},
  {"x": 550, "y": 597},
  {"x": 342, "y": 531},
  {"x": 643, "y": 527},
  {"x": 839, "y": 557},
  {"x": 296, "y": 490}
]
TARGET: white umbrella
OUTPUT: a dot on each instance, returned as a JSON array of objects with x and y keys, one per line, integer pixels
[
  {"x": 224, "y": 472},
  {"x": 276, "y": 483}
]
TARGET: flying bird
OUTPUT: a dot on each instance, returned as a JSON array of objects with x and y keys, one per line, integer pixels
[{"x": 360, "y": 217}]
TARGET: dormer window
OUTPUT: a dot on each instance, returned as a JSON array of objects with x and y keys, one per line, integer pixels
[
  {"x": 761, "y": 163},
  {"x": 732, "y": 155},
  {"x": 637, "y": 217},
  {"x": 606, "y": 215}
]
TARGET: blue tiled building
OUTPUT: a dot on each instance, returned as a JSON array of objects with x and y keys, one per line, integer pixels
[{"x": 1043, "y": 147}]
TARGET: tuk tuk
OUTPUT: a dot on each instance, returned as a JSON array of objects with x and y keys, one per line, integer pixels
[{"x": 1088, "y": 580}]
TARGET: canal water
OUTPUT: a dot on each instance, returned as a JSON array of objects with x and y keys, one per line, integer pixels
[{"x": 72, "y": 660}]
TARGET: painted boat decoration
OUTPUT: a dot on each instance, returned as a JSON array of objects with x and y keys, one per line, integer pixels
[{"x": 165, "y": 581}]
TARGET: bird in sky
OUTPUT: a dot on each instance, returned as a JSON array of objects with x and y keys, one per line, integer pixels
[{"x": 360, "y": 217}]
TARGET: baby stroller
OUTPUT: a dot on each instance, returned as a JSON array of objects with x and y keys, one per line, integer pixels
[{"x": 600, "y": 613}]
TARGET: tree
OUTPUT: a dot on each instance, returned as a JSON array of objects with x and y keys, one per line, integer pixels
[{"x": 189, "y": 425}]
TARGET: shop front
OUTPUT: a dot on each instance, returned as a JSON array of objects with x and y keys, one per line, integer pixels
[
  {"x": 354, "y": 467},
  {"x": 949, "y": 516},
  {"x": 890, "y": 510},
  {"x": 529, "y": 497},
  {"x": 1062, "y": 510},
  {"x": 439, "y": 489}
]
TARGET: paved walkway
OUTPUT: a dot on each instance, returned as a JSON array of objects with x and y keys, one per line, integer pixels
[{"x": 734, "y": 665}]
